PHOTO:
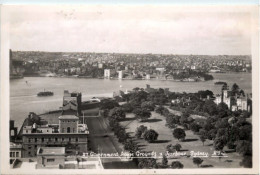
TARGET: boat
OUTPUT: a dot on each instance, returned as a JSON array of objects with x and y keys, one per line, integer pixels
[
  {"x": 220, "y": 83},
  {"x": 45, "y": 93}
]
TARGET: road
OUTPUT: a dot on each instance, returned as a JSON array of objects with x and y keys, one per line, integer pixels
[{"x": 102, "y": 140}]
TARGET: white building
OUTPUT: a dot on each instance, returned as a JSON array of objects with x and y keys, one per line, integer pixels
[
  {"x": 147, "y": 77},
  {"x": 107, "y": 73},
  {"x": 120, "y": 74}
]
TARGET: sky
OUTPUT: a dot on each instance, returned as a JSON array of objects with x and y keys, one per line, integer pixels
[{"x": 203, "y": 30}]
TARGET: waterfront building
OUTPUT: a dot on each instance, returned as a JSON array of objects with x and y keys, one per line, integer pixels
[
  {"x": 66, "y": 133},
  {"x": 72, "y": 102},
  {"x": 107, "y": 73},
  {"x": 120, "y": 75},
  {"x": 147, "y": 77},
  {"x": 100, "y": 65}
]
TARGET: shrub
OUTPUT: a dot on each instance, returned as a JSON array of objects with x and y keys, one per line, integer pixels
[
  {"x": 150, "y": 135},
  {"x": 140, "y": 131},
  {"x": 147, "y": 163},
  {"x": 142, "y": 114},
  {"x": 197, "y": 161},
  {"x": 179, "y": 133},
  {"x": 177, "y": 165}
]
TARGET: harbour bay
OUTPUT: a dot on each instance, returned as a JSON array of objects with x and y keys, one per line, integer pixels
[{"x": 23, "y": 92}]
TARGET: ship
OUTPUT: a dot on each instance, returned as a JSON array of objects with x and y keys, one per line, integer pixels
[{"x": 45, "y": 93}]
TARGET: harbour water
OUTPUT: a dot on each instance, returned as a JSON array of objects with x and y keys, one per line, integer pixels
[{"x": 23, "y": 92}]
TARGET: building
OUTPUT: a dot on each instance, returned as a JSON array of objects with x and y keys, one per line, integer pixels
[
  {"x": 107, "y": 73},
  {"x": 234, "y": 102},
  {"x": 67, "y": 133},
  {"x": 120, "y": 75},
  {"x": 100, "y": 65},
  {"x": 50, "y": 158},
  {"x": 15, "y": 151},
  {"x": 72, "y": 102},
  {"x": 147, "y": 77},
  {"x": 12, "y": 130}
]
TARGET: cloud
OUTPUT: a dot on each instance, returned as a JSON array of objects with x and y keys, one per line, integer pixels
[{"x": 141, "y": 29}]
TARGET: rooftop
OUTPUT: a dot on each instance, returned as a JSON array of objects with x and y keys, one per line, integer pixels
[
  {"x": 14, "y": 145},
  {"x": 68, "y": 117},
  {"x": 51, "y": 151}
]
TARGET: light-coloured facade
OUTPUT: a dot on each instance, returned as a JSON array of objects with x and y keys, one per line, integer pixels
[{"x": 107, "y": 73}]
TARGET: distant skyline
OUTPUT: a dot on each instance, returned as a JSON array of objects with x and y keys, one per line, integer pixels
[{"x": 131, "y": 29}]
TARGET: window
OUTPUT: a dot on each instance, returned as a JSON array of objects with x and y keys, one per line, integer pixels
[
  {"x": 62, "y": 139},
  {"x": 69, "y": 139},
  {"x": 11, "y": 154},
  {"x": 49, "y": 139},
  {"x": 77, "y": 139},
  {"x": 47, "y": 130},
  {"x": 29, "y": 140},
  {"x": 56, "y": 139},
  {"x": 42, "y": 139},
  {"x": 62, "y": 130},
  {"x": 73, "y": 130},
  {"x": 26, "y": 131},
  {"x": 50, "y": 160},
  {"x": 29, "y": 153},
  {"x": 35, "y": 146},
  {"x": 35, "y": 139},
  {"x": 17, "y": 154},
  {"x": 68, "y": 129},
  {"x": 29, "y": 147}
]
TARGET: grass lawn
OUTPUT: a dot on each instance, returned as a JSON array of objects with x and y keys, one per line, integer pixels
[{"x": 192, "y": 143}]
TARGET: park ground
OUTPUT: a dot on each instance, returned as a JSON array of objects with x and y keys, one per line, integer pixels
[{"x": 191, "y": 143}]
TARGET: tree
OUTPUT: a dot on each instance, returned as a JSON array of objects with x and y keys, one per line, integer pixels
[
  {"x": 179, "y": 133},
  {"x": 235, "y": 89},
  {"x": 219, "y": 144},
  {"x": 131, "y": 146},
  {"x": 246, "y": 162},
  {"x": 147, "y": 163},
  {"x": 172, "y": 120},
  {"x": 177, "y": 165},
  {"x": 222, "y": 109},
  {"x": 140, "y": 131},
  {"x": 122, "y": 136},
  {"x": 197, "y": 161},
  {"x": 244, "y": 147},
  {"x": 117, "y": 113},
  {"x": 149, "y": 106},
  {"x": 108, "y": 104},
  {"x": 203, "y": 135},
  {"x": 150, "y": 135},
  {"x": 159, "y": 109},
  {"x": 210, "y": 107},
  {"x": 33, "y": 118},
  {"x": 194, "y": 127},
  {"x": 172, "y": 148},
  {"x": 142, "y": 114},
  {"x": 203, "y": 139},
  {"x": 177, "y": 147},
  {"x": 164, "y": 161},
  {"x": 127, "y": 107},
  {"x": 113, "y": 123}
]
